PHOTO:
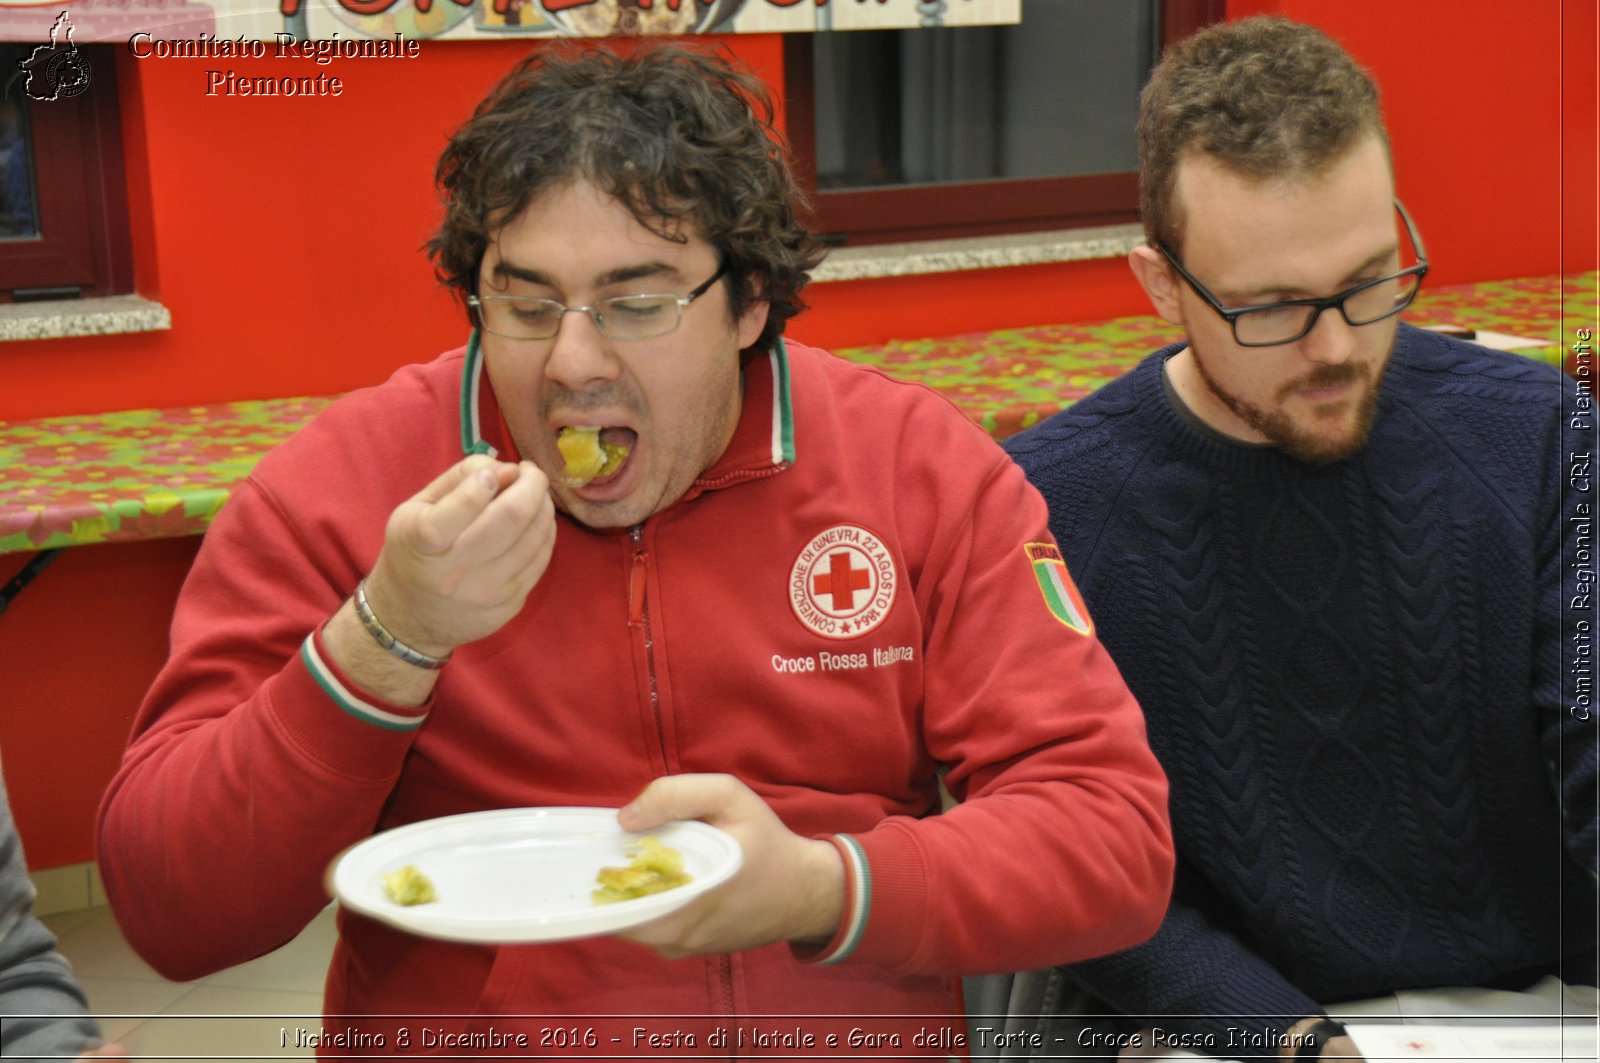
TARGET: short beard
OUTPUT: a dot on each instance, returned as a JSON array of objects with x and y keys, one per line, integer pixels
[{"x": 1281, "y": 431}]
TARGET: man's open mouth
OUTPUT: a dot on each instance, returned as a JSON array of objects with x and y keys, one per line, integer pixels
[{"x": 594, "y": 454}]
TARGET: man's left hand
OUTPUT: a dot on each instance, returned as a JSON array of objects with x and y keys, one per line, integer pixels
[{"x": 789, "y": 888}]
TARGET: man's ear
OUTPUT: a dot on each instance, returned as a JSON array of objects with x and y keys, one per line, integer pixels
[
  {"x": 1155, "y": 275},
  {"x": 754, "y": 317}
]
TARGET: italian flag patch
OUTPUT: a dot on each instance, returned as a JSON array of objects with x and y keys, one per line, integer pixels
[{"x": 1060, "y": 596}]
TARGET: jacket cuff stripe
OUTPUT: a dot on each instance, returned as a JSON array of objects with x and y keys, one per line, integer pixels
[
  {"x": 858, "y": 900},
  {"x": 347, "y": 699}
]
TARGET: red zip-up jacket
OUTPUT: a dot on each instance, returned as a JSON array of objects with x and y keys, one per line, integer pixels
[{"x": 860, "y": 597}]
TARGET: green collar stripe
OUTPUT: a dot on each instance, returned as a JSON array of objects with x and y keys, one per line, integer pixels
[
  {"x": 472, "y": 370},
  {"x": 782, "y": 409}
]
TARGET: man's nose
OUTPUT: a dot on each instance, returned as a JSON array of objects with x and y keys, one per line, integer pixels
[
  {"x": 579, "y": 354},
  {"x": 1332, "y": 340}
]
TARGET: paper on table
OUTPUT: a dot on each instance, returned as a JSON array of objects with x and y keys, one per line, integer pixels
[
  {"x": 1500, "y": 341},
  {"x": 1574, "y": 1040},
  {"x": 1403, "y": 1042}
]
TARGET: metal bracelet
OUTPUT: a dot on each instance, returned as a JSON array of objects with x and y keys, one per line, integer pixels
[{"x": 381, "y": 635}]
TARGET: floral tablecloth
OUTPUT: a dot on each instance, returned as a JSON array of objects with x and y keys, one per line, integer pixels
[
  {"x": 151, "y": 474},
  {"x": 138, "y": 474},
  {"x": 1011, "y": 379}
]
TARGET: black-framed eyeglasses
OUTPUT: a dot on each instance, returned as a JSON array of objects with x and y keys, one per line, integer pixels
[
  {"x": 1272, "y": 324},
  {"x": 621, "y": 317}
]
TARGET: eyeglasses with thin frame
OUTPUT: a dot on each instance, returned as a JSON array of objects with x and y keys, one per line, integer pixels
[
  {"x": 1273, "y": 324},
  {"x": 621, "y": 317}
]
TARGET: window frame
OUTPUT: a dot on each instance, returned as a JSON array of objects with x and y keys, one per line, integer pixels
[
  {"x": 863, "y": 216},
  {"x": 82, "y": 198}
]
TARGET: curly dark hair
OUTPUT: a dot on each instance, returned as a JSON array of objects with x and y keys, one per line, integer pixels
[
  {"x": 676, "y": 134},
  {"x": 1263, "y": 96}
]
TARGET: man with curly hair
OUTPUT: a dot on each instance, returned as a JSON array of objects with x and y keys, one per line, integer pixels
[
  {"x": 789, "y": 599},
  {"x": 1326, "y": 549}
]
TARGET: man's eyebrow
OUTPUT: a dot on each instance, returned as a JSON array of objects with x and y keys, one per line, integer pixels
[
  {"x": 1380, "y": 258},
  {"x": 615, "y": 276},
  {"x": 1268, "y": 294},
  {"x": 503, "y": 269},
  {"x": 632, "y": 273}
]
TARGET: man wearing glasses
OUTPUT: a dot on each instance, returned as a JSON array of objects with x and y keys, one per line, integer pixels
[
  {"x": 791, "y": 598},
  {"x": 1326, "y": 550}
]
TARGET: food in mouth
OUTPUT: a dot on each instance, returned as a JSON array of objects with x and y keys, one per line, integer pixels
[
  {"x": 409, "y": 886},
  {"x": 655, "y": 867},
  {"x": 586, "y": 455}
]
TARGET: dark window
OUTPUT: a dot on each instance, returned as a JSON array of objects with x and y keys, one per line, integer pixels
[
  {"x": 63, "y": 203},
  {"x": 19, "y": 195},
  {"x": 924, "y": 133}
]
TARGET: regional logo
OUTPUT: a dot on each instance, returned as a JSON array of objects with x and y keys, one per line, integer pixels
[
  {"x": 1061, "y": 597},
  {"x": 56, "y": 71},
  {"x": 843, "y": 583}
]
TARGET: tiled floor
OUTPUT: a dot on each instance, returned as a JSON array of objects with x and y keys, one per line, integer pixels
[{"x": 252, "y": 1011}]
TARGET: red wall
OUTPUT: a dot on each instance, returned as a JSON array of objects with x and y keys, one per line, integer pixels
[
  {"x": 284, "y": 235},
  {"x": 1491, "y": 108},
  {"x": 1493, "y": 134}
]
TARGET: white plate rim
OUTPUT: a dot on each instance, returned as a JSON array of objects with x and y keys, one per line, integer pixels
[{"x": 348, "y": 873}]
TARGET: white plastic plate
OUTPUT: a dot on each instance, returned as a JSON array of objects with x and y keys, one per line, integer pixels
[{"x": 523, "y": 874}]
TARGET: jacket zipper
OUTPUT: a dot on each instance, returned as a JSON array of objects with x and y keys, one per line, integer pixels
[
  {"x": 725, "y": 974},
  {"x": 639, "y": 616}
]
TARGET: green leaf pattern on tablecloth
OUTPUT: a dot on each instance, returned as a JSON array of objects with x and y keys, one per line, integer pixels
[
  {"x": 1014, "y": 378},
  {"x": 147, "y": 474},
  {"x": 1011, "y": 379},
  {"x": 136, "y": 474}
]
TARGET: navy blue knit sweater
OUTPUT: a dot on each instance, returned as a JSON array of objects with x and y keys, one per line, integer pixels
[{"x": 1359, "y": 676}]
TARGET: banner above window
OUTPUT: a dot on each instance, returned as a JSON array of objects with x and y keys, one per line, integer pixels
[{"x": 214, "y": 23}]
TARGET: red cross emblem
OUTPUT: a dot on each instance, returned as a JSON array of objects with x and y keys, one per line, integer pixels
[{"x": 841, "y": 581}]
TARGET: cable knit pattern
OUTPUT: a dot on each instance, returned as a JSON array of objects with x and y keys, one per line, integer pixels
[{"x": 1335, "y": 665}]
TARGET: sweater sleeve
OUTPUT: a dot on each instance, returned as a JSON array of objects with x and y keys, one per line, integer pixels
[
  {"x": 1197, "y": 979},
  {"x": 1059, "y": 848},
  {"x": 1566, "y": 628},
  {"x": 252, "y": 762},
  {"x": 43, "y": 1007}
]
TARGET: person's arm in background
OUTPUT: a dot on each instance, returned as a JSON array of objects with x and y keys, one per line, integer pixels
[
  {"x": 1202, "y": 987},
  {"x": 42, "y": 1009}
]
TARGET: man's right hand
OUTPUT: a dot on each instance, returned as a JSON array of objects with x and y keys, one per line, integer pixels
[
  {"x": 461, "y": 556},
  {"x": 458, "y": 560}
]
